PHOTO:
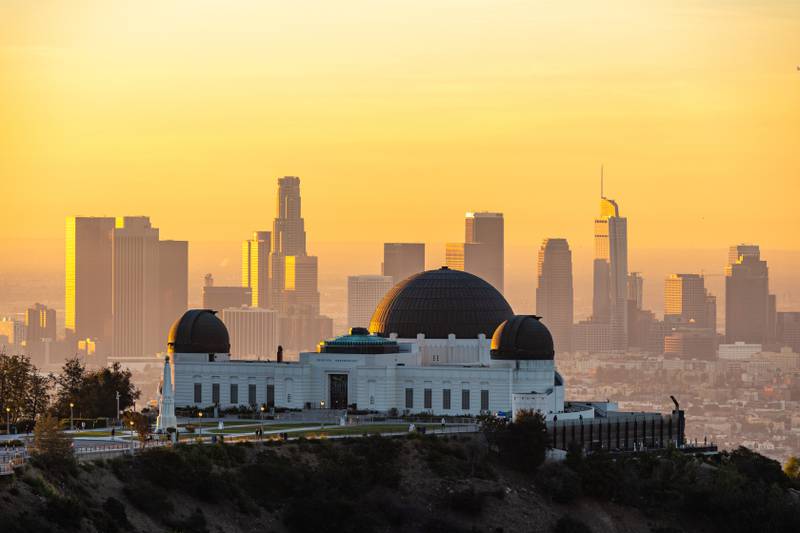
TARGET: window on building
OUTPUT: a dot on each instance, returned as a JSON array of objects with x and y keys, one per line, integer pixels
[
  {"x": 409, "y": 398},
  {"x": 198, "y": 393},
  {"x": 485, "y": 400},
  {"x": 270, "y": 395},
  {"x": 215, "y": 393},
  {"x": 234, "y": 394},
  {"x": 445, "y": 398},
  {"x": 251, "y": 394},
  {"x": 465, "y": 399},
  {"x": 428, "y": 397}
]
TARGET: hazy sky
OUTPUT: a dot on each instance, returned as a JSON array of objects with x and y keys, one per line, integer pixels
[{"x": 399, "y": 117}]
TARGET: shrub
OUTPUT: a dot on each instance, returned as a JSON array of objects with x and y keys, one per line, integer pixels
[
  {"x": 560, "y": 482},
  {"x": 116, "y": 510},
  {"x": 567, "y": 524},
  {"x": 467, "y": 501}
]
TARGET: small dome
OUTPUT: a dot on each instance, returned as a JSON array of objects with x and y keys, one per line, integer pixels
[
  {"x": 359, "y": 341},
  {"x": 521, "y": 338},
  {"x": 438, "y": 303},
  {"x": 198, "y": 331}
]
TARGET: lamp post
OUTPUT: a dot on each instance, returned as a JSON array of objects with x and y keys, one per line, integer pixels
[
  {"x": 262, "y": 422},
  {"x": 8, "y": 421},
  {"x": 200, "y": 414},
  {"x": 71, "y": 418},
  {"x": 131, "y": 424},
  {"x": 117, "y": 416}
]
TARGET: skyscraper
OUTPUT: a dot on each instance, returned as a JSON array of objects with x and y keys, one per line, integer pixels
[
  {"x": 554, "y": 291},
  {"x": 300, "y": 289},
  {"x": 253, "y": 332},
  {"x": 747, "y": 299},
  {"x": 364, "y": 293},
  {"x": 173, "y": 283},
  {"x": 135, "y": 289},
  {"x": 685, "y": 299},
  {"x": 636, "y": 289},
  {"x": 486, "y": 229},
  {"x": 40, "y": 323},
  {"x": 402, "y": 259},
  {"x": 611, "y": 271},
  {"x": 288, "y": 239},
  {"x": 88, "y": 299},
  {"x": 255, "y": 268}
]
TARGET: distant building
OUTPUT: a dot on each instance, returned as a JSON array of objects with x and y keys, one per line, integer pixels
[
  {"x": 88, "y": 290},
  {"x": 593, "y": 337},
  {"x": 610, "y": 296},
  {"x": 749, "y": 309},
  {"x": 487, "y": 230},
  {"x": 402, "y": 259},
  {"x": 135, "y": 288},
  {"x": 253, "y": 332},
  {"x": 364, "y": 293},
  {"x": 636, "y": 289},
  {"x": 40, "y": 324},
  {"x": 738, "y": 351},
  {"x": 554, "y": 298},
  {"x": 288, "y": 239},
  {"x": 788, "y": 329},
  {"x": 255, "y": 268},
  {"x": 173, "y": 282},
  {"x": 12, "y": 334},
  {"x": 690, "y": 343},
  {"x": 218, "y": 298},
  {"x": 685, "y": 299}
]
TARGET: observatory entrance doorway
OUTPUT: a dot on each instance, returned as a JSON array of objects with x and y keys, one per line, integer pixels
[{"x": 337, "y": 385}]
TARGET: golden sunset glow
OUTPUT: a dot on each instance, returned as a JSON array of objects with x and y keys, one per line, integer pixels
[{"x": 401, "y": 116}]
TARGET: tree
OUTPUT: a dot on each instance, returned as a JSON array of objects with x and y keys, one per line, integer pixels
[
  {"x": 51, "y": 446},
  {"x": 792, "y": 468},
  {"x": 23, "y": 390},
  {"x": 70, "y": 382},
  {"x": 94, "y": 393},
  {"x": 522, "y": 443},
  {"x": 139, "y": 423}
]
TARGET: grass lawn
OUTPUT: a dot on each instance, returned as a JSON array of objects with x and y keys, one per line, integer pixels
[{"x": 252, "y": 428}]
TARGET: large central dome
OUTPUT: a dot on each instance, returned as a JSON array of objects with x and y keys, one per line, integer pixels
[{"x": 440, "y": 302}]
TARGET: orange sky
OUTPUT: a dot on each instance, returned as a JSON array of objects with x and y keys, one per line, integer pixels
[{"x": 401, "y": 116}]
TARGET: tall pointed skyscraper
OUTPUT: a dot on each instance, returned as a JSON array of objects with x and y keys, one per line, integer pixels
[
  {"x": 554, "y": 291},
  {"x": 611, "y": 270}
]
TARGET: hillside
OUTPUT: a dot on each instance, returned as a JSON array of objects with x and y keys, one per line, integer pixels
[{"x": 400, "y": 484}]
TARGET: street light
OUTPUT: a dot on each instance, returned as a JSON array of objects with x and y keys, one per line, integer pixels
[
  {"x": 262, "y": 421},
  {"x": 131, "y": 424},
  {"x": 117, "y": 416},
  {"x": 200, "y": 414},
  {"x": 71, "y": 418},
  {"x": 8, "y": 421}
]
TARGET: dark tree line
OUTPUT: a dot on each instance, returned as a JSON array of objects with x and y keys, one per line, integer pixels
[{"x": 26, "y": 392}]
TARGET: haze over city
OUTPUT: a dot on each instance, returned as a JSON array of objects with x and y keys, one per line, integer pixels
[{"x": 565, "y": 231}]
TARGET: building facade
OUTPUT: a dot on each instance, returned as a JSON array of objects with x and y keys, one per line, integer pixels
[
  {"x": 402, "y": 259},
  {"x": 253, "y": 332},
  {"x": 364, "y": 293},
  {"x": 748, "y": 306},
  {"x": 554, "y": 296}
]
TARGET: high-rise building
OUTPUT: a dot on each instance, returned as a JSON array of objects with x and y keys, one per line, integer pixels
[
  {"x": 738, "y": 252},
  {"x": 300, "y": 289},
  {"x": 465, "y": 256},
  {"x": 611, "y": 271},
  {"x": 711, "y": 312},
  {"x": 554, "y": 291},
  {"x": 636, "y": 289},
  {"x": 12, "y": 335},
  {"x": 487, "y": 229},
  {"x": 88, "y": 299},
  {"x": 135, "y": 289},
  {"x": 402, "y": 259},
  {"x": 288, "y": 229},
  {"x": 253, "y": 332},
  {"x": 218, "y": 298},
  {"x": 364, "y": 293},
  {"x": 173, "y": 283},
  {"x": 788, "y": 329},
  {"x": 747, "y": 299},
  {"x": 255, "y": 268},
  {"x": 685, "y": 299},
  {"x": 40, "y": 324}
]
